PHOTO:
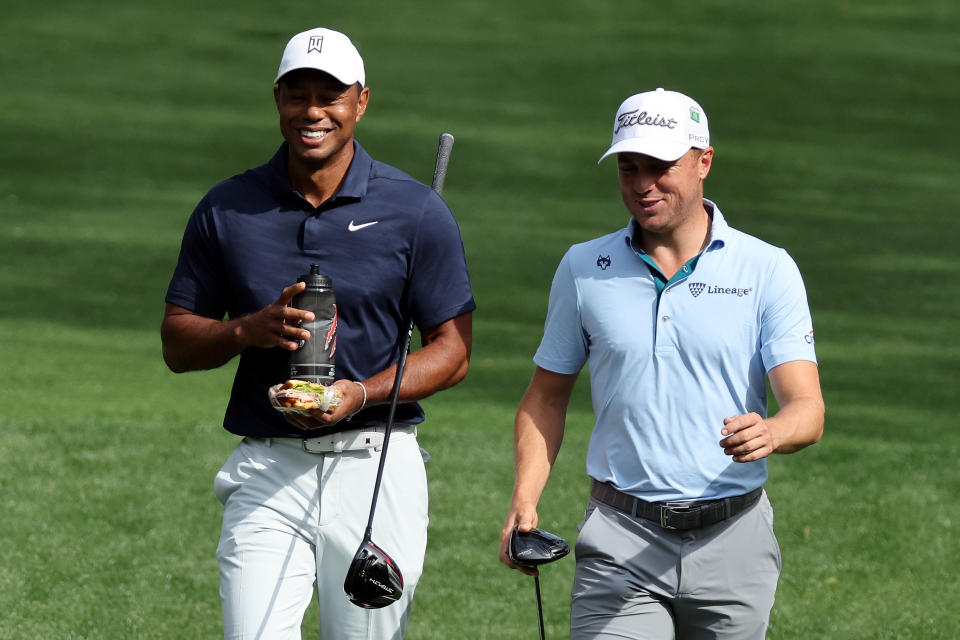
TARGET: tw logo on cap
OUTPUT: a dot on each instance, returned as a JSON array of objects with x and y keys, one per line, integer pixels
[{"x": 315, "y": 44}]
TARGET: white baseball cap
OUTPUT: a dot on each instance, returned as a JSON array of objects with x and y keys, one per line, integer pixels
[
  {"x": 324, "y": 50},
  {"x": 662, "y": 124}
]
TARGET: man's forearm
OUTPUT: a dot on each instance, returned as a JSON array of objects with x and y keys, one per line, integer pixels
[
  {"x": 799, "y": 421},
  {"x": 536, "y": 446},
  {"x": 439, "y": 364},
  {"x": 538, "y": 433},
  {"x": 193, "y": 342},
  {"x": 798, "y": 424}
]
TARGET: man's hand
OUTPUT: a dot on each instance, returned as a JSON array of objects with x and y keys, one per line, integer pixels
[
  {"x": 524, "y": 517},
  {"x": 797, "y": 424},
  {"x": 277, "y": 324},
  {"x": 747, "y": 438},
  {"x": 192, "y": 342},
  {"x": 441, "y": 362},
  {"x": 352, "y": 401}
]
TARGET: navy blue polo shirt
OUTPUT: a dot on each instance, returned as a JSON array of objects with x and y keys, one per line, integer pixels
[{"x": 389, "y": 243}]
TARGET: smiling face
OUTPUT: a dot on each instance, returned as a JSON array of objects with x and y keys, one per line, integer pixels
[
  {"x": 663, "y": 195},
  {"x": 318, "y": 115}
]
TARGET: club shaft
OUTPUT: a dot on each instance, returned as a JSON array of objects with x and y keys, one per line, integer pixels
[
  {"x": 394, "y": 395},
  {"x": 536, "y": 586},
  {"x": 444, "y": 149}
]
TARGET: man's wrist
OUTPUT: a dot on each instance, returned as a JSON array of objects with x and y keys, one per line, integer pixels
[
  {"x": 363, "y": 403},
  {"x": 239, "y": 334}
]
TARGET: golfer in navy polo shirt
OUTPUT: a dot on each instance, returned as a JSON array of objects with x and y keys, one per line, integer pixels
[
  {"x": 294, "y": 517},
  {"x": 681, "y": 319}
]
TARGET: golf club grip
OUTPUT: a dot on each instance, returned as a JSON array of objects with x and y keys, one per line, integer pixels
[{"x": 444, "y": 149}]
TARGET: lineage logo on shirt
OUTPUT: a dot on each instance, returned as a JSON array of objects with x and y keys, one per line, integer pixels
[{"x": 696, "y": 288}]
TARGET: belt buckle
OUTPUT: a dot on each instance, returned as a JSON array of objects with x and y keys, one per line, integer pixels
[{"x": 672, "y": 508}]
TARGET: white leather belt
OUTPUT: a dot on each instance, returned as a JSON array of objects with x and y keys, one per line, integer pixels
[{"x": 356, "y": 440}]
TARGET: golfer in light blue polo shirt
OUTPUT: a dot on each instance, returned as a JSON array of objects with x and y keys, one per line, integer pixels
[{"x": 682, "y": 319}]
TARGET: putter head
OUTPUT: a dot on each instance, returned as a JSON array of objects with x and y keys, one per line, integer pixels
[
  {"x": 536, "y": 547},
  {"x": 374, "y": 579}
]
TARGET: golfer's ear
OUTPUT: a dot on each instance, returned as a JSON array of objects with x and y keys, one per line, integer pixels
[
  {"x": 362, "y": 100},
  {"x": 705, "y": 162}
]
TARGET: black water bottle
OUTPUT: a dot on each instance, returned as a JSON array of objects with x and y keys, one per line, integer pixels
[{"x": 314, "y": 359}]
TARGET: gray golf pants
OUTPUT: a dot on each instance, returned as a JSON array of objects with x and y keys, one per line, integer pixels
[{"x": 636, "y": 580}]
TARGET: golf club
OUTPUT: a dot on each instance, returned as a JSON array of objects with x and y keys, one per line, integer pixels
[
  {"x": 374, "y": 580},
  {"x": 532, "y": 549}
]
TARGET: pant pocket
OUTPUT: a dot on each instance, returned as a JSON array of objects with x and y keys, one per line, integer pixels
[{"x": 230, "y": 476}]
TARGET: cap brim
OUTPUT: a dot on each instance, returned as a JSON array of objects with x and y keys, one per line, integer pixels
[
  {"x": 345, "y": 79},
  {"x": 660, "y": 149}
]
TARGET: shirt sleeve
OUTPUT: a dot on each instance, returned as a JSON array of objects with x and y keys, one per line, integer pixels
[
  {"x": 564, "y": 347},
  {"x": 786, "y": 331},
  {"x": 440, "y": 283},
  {"x": 198, "y": 282}
]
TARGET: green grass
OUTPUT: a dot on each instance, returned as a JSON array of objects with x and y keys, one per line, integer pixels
[{"x": 834, "y": 124}]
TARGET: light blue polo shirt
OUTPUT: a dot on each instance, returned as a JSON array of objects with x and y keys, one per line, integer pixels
[{"x": 667, "y": 368}]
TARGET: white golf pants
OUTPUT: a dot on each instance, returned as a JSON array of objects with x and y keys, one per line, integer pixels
[{"x": 292, "y": 519}]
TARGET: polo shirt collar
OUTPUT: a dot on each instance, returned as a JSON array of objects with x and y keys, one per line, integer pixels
[
  {"x": 354, "y": 185},
  {"x": 719, "y": 229}
]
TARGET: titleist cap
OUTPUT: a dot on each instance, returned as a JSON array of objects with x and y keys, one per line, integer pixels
[
  {"x": 662, "y": 124},
  {"x": 324, "y": 50}
]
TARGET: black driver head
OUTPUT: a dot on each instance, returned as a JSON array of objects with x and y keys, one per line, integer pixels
[
  {"x": 374, "y": 579},
  {"x": 536, "y": 547}
]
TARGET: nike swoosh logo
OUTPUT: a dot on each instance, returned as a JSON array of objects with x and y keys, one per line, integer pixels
[{"x": 357, "y": 227}]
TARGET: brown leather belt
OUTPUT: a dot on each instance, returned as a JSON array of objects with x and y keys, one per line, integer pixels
[{"x": 678, "y": 516}]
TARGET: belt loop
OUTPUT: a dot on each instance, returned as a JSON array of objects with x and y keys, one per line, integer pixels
[
  {"x": 727, "y": 508},
  {"x": 268, "y": 442}
]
